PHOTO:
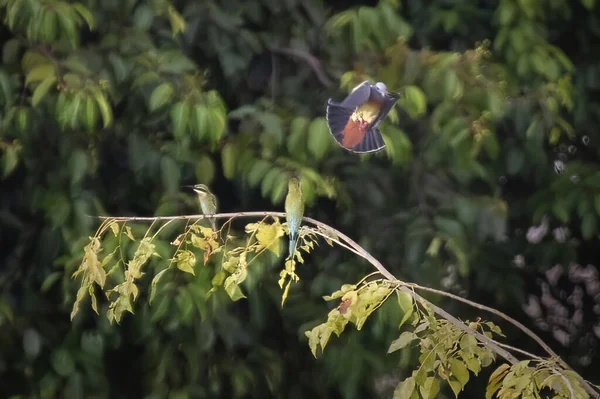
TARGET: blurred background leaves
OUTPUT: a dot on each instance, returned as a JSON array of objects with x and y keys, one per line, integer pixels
[{"x": 488, "y": 186}]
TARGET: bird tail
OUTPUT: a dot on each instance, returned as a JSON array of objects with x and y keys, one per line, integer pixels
[
  {"x": 213, "y": 223},
  {"x": 293, "y": 242}
]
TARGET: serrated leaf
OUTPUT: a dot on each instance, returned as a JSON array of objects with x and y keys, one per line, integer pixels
[
  {"x": 405, "y": 338},
  {"x": 161, "y": 95}
]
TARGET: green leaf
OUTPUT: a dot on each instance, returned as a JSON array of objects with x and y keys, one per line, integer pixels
[
  {"x": 414, "y": 101},
  {"x": 589, "y": 4},
  {"x": 234, "y": 292},
  {"x": 405, "y": 301},
  {"x": 50, "y": 280},
  {"x": 90, "y": 114},
  {"x": 405, "y": 389},
  {"x": 318, "y": 138},
  {"x": 78, "y": 165},
  {"x": 455, "y": 385},
  {"x": 217, "y": 123},
  {"x": 405, "y": 338},
  {"x": 11, "y": 159},
  {"x": 490, "y": 143},
  {"x": 142, "y": 17},
  {"x": 229, "y": 160},
  {"x": 177, "y": 21},
  {"x": 297, "y": 135},
  {"x": 200, "y": 121},
  {"x": 170, "y": 174},
  {"x": 180, "y": 113},
  {"x": 257, "y": 172},
  {"x": 588, "y": 226},
  {"x": 430, "y": 388},
  {"x": 154, "y": 283},
  {"x": 186, "y": 261},
  {"x": 85, "y": 14},
  {"x": 459, "y": 370},
  {"x": 62, "y": 362},
  {"x": 39, "y": 73},
  {"x": 105, "y": 108},
  {"x": 161, "y": 95},
  {"x": 205, "y": 169}
]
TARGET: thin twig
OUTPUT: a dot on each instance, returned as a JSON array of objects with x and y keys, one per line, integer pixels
[
  {"x": 493, "y": 311},
  {"x": 521, "y": 351},
  {"x": 312, "y": 61}
]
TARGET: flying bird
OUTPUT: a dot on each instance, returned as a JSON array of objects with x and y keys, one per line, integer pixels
[
  {"x": 294, "y": 209},
  {"x": 208, "y": 202},
  {"x": 353, "y": 122}
]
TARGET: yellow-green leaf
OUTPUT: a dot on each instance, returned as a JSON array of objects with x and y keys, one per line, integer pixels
[
  {"x": 269, "y": 236},
  {"x": 186, "y": 261},
  {"x": 405, "y": 301},
  {"x": 318, "y": 138},
  {"x": 85, "y": 14},
  {"x": 179, "y": 118},
  {"x": 430, "y": 388},
  {"x": 459, "y": 370},
  {"x": 229, "y": 160},
  {"x": 414, "y": 101},
  {"x": 40, "y": 72},
  {"x": 405, "y": 338},
  {"x": 91, "y": 113},
  {"x": 105, "y": 108},
  {"x": 154, "y": 284},
  {"x": 161, "y": 95},
  {"x": 405, "y": 389}
]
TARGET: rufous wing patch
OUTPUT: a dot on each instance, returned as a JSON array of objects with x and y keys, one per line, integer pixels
[{"x": 353, "y": 132}]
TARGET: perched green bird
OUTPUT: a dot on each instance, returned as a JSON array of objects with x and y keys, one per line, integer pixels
[
  {"x": 208, "y": 202},
  {"x": 294, "y": 209}
]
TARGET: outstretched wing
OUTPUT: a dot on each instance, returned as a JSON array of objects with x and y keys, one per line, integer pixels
[
  {"x": 337, "y": 119},
  {"x": 372, "y": 142},
  {"x": 358, "y": 96}
]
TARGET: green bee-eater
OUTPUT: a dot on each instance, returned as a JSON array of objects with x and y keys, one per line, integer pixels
[
  {"x": 294, "y": 209},
  {"x": 208, "y": 202}
]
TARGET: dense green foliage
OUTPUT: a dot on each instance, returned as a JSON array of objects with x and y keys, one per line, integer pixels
[{"x": 110, "y": 106}]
